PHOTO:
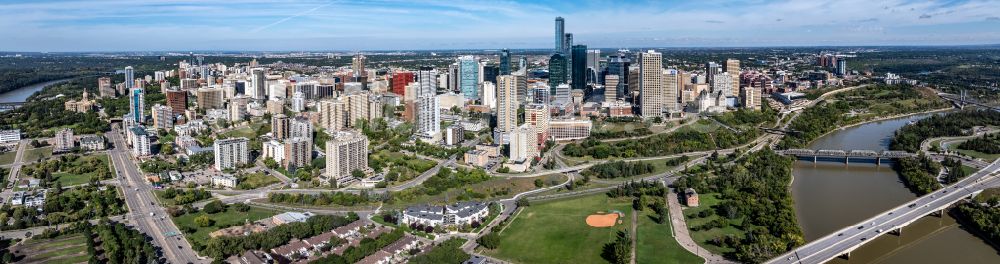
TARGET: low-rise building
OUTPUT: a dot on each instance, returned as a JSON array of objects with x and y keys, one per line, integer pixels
[
  {"x": 477, "y": 157},
  {"x": 691, "y": 197},
  {"x": 10, "y": 136},
  {"x": 291, "y": 217},
  {"x": 463, "y": 213},
  {"x": 569, "y": 129},
  {"x": 224, "y": 181},
  {"x": 92, "y": 142}
]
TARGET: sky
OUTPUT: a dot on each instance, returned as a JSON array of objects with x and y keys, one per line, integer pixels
[{"x": 322, "y": 25}]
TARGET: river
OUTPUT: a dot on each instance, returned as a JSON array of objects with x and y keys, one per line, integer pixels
[
  {"x": 832, "y": 195},
  {"x": 22, "y": 94}
]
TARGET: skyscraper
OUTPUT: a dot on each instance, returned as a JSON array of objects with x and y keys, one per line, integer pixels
[
  {"x": 504, "y": 62},
  {"x": 428, "y": 115},
  {"x": 506, "y": 103},
  {"x": 579, "y": 67},
  {"x": 129, "y": 78},
  {"x": 651, "y": 92},
  {"x": 593, "y": 65},
  {"x": 557, "y": 70},
  {"x": 733, "y": 68},
  {"x": 346, "y": 152},
  {"x": 258, "y": 88},
  {"x": 358, "y": 65},
  {"x": 841, "y": 67},
  {"x": 711, "y": 69},
  {"x": 298, "y": 152},
  {"x": 560, "y": 30},
  {"x": 618, "y": 64},
  {"x": 469, "y": 77},
  {"x": 231, "y": 153},
  {"x": 670, "y": 90},
  {"x": 137, "y": 105}
]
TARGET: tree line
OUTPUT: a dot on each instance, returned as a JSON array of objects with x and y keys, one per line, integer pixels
[
  {"x": 661, "y": 144},
  {"x": 952, "y": 124},
  {"x": 989, "y": 144},
  {"x": 920, "y": 174},
  {"x": 321, "y": 199},
  {"x": 619, "y": 169},
  {"x": 755, "y": 189}
]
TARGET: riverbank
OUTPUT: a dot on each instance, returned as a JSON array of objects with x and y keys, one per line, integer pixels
[
  {"x": 21, "y": 94},
  {"x": 879, "y": 120}
]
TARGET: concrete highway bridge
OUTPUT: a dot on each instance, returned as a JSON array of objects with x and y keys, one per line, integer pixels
[
  {"x": 846, "y": 155},
  {"x": 842, "y": 242},
  {"x": 960, "y": 101}
]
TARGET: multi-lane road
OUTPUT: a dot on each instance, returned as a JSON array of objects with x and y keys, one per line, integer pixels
[
  {"x": 145, "y": 212},
  {"x": 845, "y": 240}
]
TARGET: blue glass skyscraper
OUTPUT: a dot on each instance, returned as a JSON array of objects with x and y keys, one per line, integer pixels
[
  {"x": 136, "y": 105},
  {"x": 469, "y": 77}
]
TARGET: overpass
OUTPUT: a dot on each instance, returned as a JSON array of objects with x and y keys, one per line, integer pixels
[
  {"x": 847, "y": 239},
  {"x": 846, "y": 155},
  {"x": 779, "y": 131}
]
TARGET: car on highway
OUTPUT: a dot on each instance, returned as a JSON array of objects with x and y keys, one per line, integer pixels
[
  {"x": 878, "y": 231},
  {"x": 861, "y": 227}
]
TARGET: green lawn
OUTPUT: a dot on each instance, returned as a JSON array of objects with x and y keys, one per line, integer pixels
[
  {"x": 492, "y": 188},
  {"x": 703, "y": 237},
  {"x": 656, "y": 244},
  {"x": 977, "y": 154},
  {"x": 256, "y": 180},
  {"x": 556, "y": 232},
  {"x": 8, "y": 157},
  {"x": 66, "y": 249},
  {"x": 224, "y": 219},
  {"x": 36, "y": 153},
  {"x": 68, "y": 179},
  {"x": 247, "y": 132}
]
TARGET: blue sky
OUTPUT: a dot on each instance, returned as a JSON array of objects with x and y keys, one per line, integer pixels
[{"x": 154, "y": 25}]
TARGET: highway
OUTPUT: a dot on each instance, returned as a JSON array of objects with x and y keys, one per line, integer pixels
[
  {"x": 845, "y": 240},
  {"x": 15, "y": 169},
  {"x": 144, "y": 211}
]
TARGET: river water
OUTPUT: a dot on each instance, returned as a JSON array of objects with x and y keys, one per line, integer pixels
[
  {"x": 832, "y": 195},
  {"x": 22, "y": 94}
]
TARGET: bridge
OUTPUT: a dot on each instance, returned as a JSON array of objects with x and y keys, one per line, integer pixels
[
  {"x": 960, "y": 101},
  {"x": 842, "y": 242},
  {"x": 779, "y": 131},
  {"x": 846, "y": 155},
  {"x": 7, "y": 106}
]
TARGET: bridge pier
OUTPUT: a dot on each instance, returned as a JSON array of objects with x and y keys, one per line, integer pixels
[
  {"x": 847, "y": 160},
  {"x": 846, "y": 256},
  {"x": 878, "y": 161},
  {"x": 898, "y": 231}
]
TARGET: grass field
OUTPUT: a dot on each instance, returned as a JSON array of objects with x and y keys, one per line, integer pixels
[
  {"x": 655, "y": 243},
  {"x": 707, "y": 201},
  {"x": 68, "y": 179},
  {"x": 977, "y": 154},
  {"x": 556, "y": 232},
  {"x": 224, "y": 219},
  {"x": 67, "y": 249},
  {"x": 8, "y": 157},
  {"x": 36, "y": 153},
  {"x": 256, "y": 180}
]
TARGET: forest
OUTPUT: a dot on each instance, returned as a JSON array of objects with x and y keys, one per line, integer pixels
[
  {"x": 661, "y": 144},
  {"x": 755, "y": 189},
  {"x": 989, "y": 144},
  {"x": 117, "y": 243},
  {"x": 65, "y": 206},
  {"x": 919, "y": 174},
  {"x": 322, "y": 199},
  {"x": 983, "y": 217},
  {"x": 951, "y": 124},
  {"x": 618, "y": 169}
]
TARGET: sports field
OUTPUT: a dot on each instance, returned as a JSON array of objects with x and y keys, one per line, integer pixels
[{"x": 556, "y": 232}]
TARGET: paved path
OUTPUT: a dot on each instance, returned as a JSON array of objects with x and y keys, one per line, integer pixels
[
  {"x": 635, "y": 225},
  {"x": 684, "y": 237}
]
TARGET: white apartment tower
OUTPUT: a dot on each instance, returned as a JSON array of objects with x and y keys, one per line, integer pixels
[
  {"x": 506, "y": 103},
  {"x": 231, "y": 152}
]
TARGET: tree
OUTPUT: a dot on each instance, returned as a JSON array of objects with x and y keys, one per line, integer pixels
[
  {"x": 203, "y": 221},
  {"x": 522, "y": 202},
  {"x": 539, "y": 183},
  {"x": 490, "y": 241},
  {"x": 214, "y": 207}
]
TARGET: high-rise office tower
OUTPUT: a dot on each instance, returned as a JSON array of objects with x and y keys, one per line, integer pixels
[
  {"x": 104, "y": 87},
  {"x": 723, "y": 83},
  {"x": 137, "y": 105},
  {"x": 506, "y": 103},
  {"x": 567, "y": 43},
  {"x": 611, "y": 87},
  {"x": 231, "y": 153},
  {"x": 469, "y": 77},
  {"x": 594, "y": 59},
  {"x": 733, "y": 68},
  {"x": 490, "y": 73},
  {"x": 504, "y": 62},
  {"x": 259, "y": 84},
  {"x": 454, "y": 70},
  {"x": 177, "y": 100},
  {"x": 399, "y": 81},
  {"x": 711, "y": 69},
  {"x": 129, "y": 78},
  {"x": 358, "y": 65},
  {"x": 579, "y": 67},
  {"x": 651, "y": 90},
  {"x": 670, "y": 90},
  {"x": 618, "y": 64},
  {"x": 560, "y": 30},
  {"x": 557, "y": 70}
]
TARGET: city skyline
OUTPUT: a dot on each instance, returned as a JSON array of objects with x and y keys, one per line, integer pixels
[{"x": 250, "y": 25}]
